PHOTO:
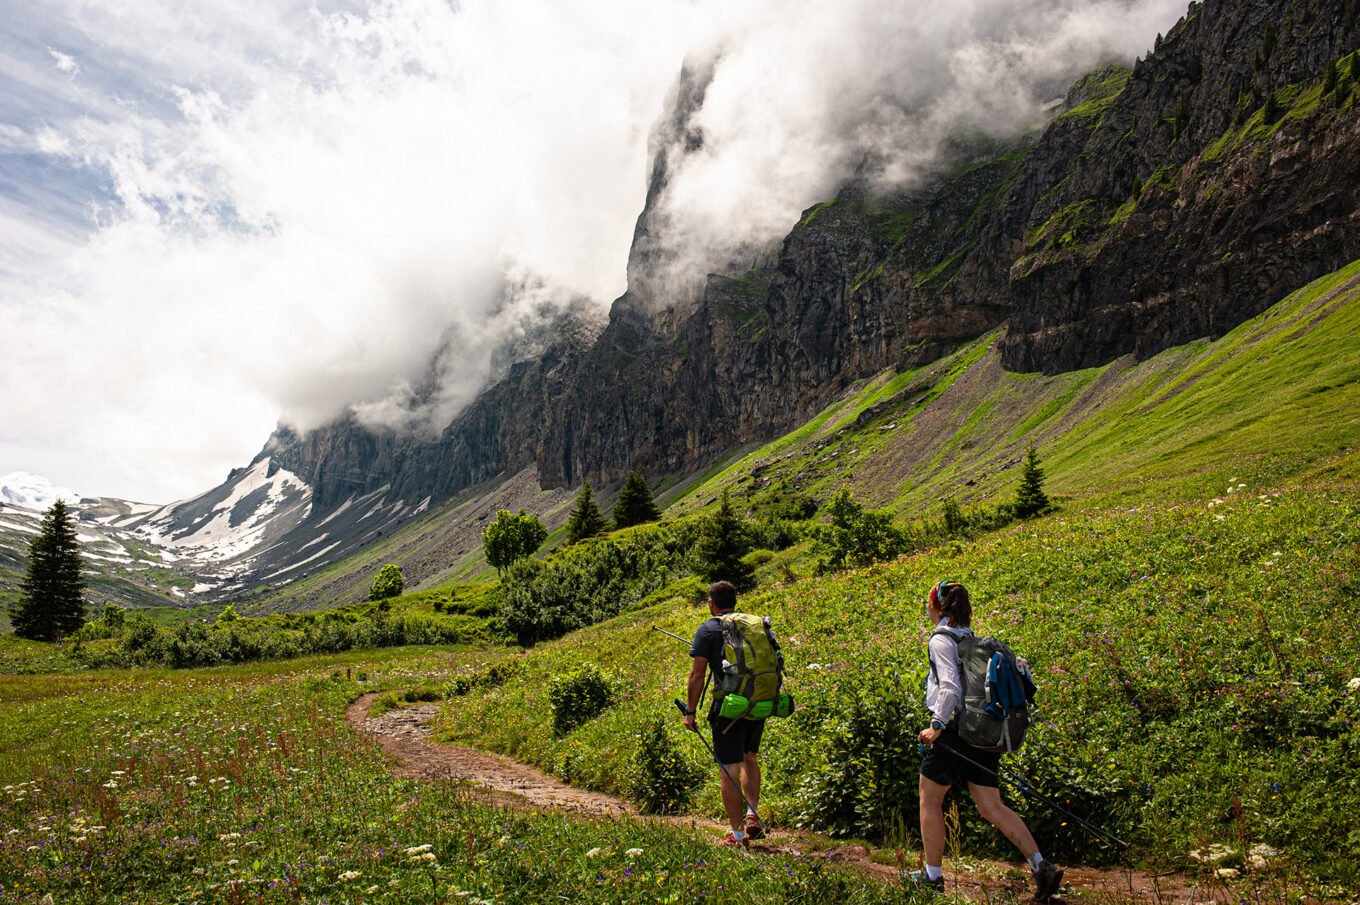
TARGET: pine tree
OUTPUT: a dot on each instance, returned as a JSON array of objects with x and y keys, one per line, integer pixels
[
  {"x": 52, "y": 604},
  {"x": 635, "y": 504},
  {"x": 585, "y": 520},
  {"x": 723, "y": 541},
  {"x": 1031, "y": 499}
]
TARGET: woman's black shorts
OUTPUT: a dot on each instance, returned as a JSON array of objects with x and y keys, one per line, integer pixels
[{"x": 948, "y": 769}]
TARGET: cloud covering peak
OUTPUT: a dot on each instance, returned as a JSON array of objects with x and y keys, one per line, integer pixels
[{"x": 223, "y": 216}]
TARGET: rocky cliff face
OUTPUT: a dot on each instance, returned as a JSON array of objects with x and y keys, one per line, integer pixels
[
  {"x": 1212, "y": 185},
  {"x": 1162, "y": 204}
]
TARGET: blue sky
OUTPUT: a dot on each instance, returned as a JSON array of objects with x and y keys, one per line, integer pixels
[{"x": 217, "y": 217}]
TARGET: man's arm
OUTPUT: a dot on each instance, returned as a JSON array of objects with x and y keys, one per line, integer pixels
[{"x": 698, "y": 673}]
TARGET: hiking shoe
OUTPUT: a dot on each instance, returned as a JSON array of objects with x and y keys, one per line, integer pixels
[
  {"x": 919, "y": 879},
  {"x": 731, "y": 841},
  {"x": 754, "y": 829},
  {"x": 1047, "y": 879}
]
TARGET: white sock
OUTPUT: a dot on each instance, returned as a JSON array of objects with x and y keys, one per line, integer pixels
[
  {"x": 933, "y": 872},
  {"x": 1034, "y": 860},
  {"x": 738, "y": 835},
  {"x": 750, "y": 813}
]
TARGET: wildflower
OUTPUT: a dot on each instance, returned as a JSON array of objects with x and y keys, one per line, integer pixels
[
  {"x": 118, "y": 772},
  {"x": 1353, "y": 684},
  {"x": 227, "y": 837},
  {"x": 110, "y": 784},
  {"x": 371, "y": 890},
  {"x": 1227, "y": 873},
  {"x": 418, "y": 849},
  {"x": 633, "y": 852},
  {"x": 594, "y": 852},
  {"x": 350, "y": 875},
  {"x": 1261, "y": 855},
  {"x": 424, "y": 856},
  {"x": 232, "y": 862}
]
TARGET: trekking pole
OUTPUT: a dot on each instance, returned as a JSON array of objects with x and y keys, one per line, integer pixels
[
  {"x": 680, "y": 705},
  {"x": 1023, "y": 785},
  {"x": 670, "y": 634}
]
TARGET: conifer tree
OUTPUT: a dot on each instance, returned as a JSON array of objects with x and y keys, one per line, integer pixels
[
  {"x": 635, "y": 504},
  {"x": 1031, "y": 499},
  {"x": 723, "y": 541},
  {"x": 585, "y": 520},
  {"x": 52, "y": 604}
]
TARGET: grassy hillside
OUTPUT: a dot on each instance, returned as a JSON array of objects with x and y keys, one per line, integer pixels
[{"x": 1190, "y": 607}]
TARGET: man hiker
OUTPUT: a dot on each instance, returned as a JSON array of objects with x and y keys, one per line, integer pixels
[
  {"x": 735, "y": 741},
  {"x": 950, "y": 761}
]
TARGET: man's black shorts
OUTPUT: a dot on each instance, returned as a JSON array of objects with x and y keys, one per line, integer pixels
[
  {"x": 730, "y": 746},
  {"x": 948, "y": 769}
]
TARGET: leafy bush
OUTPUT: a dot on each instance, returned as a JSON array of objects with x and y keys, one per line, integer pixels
[
  {"x": 660, "y": 778},
  {"x": 388, "y": 583},
  {"x": 857, "y": 536},
  {"x": 592, "y": 582},
  {"x": 776, "y": 533},
  {"x": 868, "y": 761},
  {"x": 577, "y": 697},
  {"x": 512, "y": 537}
]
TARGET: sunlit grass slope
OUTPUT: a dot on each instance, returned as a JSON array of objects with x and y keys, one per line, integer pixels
[
  {"x": 243, "y": 784},
  {"x": 1284, "y": 386},
  {"x": 1190, "y": 608}
]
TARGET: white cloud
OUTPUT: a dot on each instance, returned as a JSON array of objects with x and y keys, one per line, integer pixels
[{"x": 287, "y": 210}]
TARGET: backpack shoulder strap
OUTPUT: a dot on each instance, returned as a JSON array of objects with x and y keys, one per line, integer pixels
[{"x": 948, "y": 634}]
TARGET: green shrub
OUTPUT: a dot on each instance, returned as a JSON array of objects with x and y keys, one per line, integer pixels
[
  {"x": 868, "y": 761},
  {"x": 387, "y": 584},
  {"x": 857, "y": 536},
  {"x": 660, "y": 777},
  {"x": 577, "y": 697},
  {"x": 772, "y": 533}
]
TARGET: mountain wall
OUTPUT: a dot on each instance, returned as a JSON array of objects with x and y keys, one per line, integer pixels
[{"x": 1160, "y": 204}]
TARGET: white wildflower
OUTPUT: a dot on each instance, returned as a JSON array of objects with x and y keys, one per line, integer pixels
[
  {"x": 633, "y": 852},
  {"x": 227, "y": 837},
  {"x": 428, "y": 858},
  {"x": 594, "y": 852},
  {"x": 418, "y": 849},
  {"x": 371, "y": 890},
  {"x": 110, "y": 784},
  {"x": 1213, "y": 854},
  {"x": 232, "y": 862},
  {"x": 1227, "y": 873},
  {"x": 350, "y": 875},
  {"x": 1261, "y": 855},
  {"x": 118, "y": 773},
  {"x": 1353, "y": 684}
]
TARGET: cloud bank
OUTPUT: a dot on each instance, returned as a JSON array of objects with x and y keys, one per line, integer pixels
[{"x": 219, "y": 216}]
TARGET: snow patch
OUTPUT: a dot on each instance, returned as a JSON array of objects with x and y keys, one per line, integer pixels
[
  {"x": 32, "y": 491},
  {"x": 304, "y": 562}
]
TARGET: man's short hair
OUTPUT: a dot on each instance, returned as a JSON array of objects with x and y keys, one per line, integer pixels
[{"x": 723, "y": 594}]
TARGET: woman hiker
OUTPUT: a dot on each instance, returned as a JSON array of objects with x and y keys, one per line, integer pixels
[{"x": 946, "y": 760}]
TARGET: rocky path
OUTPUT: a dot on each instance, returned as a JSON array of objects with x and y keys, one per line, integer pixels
[{"x": 404, "y": 735}]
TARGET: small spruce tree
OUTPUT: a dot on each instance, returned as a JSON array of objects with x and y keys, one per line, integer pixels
[
  {"x": 585, "y": 520},
  {"x": 723, "y": 540},
  {"x": 635, "y": 504},
  {"x": 52, "y": 603},
  {"x": 1031, "y": 500},
  {"x": 512, "y": 537},
  {"x": 1273, "y": 111},
  {"x": 388, "y": 583}
]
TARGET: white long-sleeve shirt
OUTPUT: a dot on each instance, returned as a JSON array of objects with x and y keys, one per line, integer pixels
[{"x": 944, "y": 684}]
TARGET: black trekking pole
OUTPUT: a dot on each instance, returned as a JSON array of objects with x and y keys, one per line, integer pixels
[
  {"x": 1023, "y": 785},
  {"x": 670, "y": 634},
  {"x": 680, "y": 705}
]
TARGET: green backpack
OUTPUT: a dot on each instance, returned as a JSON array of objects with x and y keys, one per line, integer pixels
[{"x": 752, "y": 670}]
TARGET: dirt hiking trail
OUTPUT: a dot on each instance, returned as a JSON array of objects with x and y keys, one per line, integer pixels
[{"x": 404, "y": 735}]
